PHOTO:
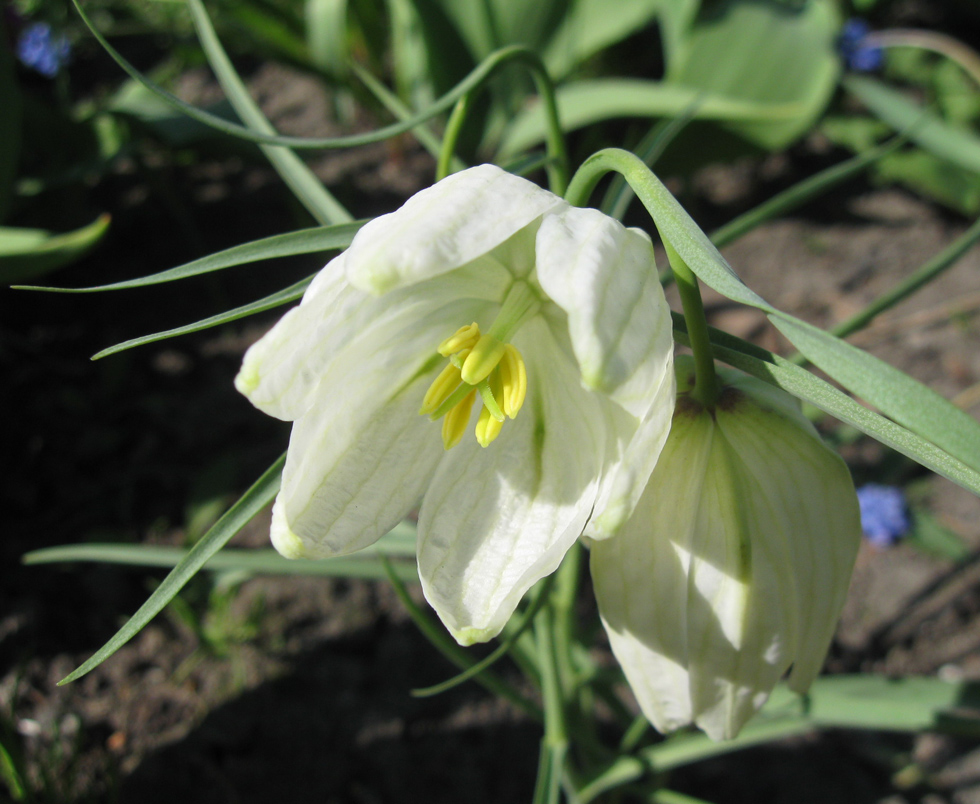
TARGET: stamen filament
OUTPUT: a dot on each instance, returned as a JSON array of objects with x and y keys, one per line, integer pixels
[
  {"x": 451, "y": 401},
  {"x": 490, "y": 398},
  {"x": 518, "y": 306}
]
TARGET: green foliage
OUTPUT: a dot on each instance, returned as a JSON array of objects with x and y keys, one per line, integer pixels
[{"x": 30, "y": 253}]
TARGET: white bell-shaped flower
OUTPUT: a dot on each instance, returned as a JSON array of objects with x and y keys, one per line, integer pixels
[
  {"x": 736, "y": 562},
  {"x": 483, "y": 298}
]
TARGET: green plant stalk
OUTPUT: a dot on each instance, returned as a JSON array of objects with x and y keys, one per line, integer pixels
[
  {"x": 554, "y": 743},
  {"x": 307, "y": 188},
  {"x": 922, "y": 275},
  {"x": 705, "y": 388},
  {"x": 489, "y": 65},
  {"x": 441, "y": 642},
  {"x": 394, "y": 105},
  {"x": 645, "y": 185},
  {"x": 557, "y": 165},
  {"x": 801, "y": 192},
  {"x": 540, "y": 598},
  {"x": 450, "y": 137}
]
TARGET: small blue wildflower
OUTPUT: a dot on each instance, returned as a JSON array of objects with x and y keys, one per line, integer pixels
[
  {"x": 42, "y": 50},
  {"x": 852, "y": 45},
  {"x": 884, "y": 516}
]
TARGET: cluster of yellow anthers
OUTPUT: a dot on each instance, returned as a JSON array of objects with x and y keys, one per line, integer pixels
[{"x": 477, "y": 364}]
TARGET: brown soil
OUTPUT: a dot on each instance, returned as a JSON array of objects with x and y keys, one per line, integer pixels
[{"x": 304, "y": 693}]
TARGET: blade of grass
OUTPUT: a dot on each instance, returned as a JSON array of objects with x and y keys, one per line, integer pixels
[
  {"x": 439, "y": 639},
  {"x": 284, "y": 296},
  {"x": 804, "y": 385},
  {"x": 304, "y": 241},
  {"x": 234, "y": 519},
  {"x": 307, "y": 188}
]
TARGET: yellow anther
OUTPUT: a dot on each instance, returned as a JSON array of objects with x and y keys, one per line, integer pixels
[
  {"x": 440, "y": 390},
  {"x": 487, "y": 428},
  {"x": 483, "y": 359},
  {"x": 454, "y": 424},
  {"x": 464, "y": 338},
  {"x": 513, "y": 381}
]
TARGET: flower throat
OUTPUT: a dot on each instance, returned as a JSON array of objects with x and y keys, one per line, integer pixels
[{"x": 486, "y": 364}]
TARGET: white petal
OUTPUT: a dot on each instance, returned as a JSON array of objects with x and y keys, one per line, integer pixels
[
  {"x": 634, "y": 452},
  {"x": 342, "y": 491},
  {"x": 496, "y": 520},
  {"x": 605, "y": 278},
  {"x": 742, "y": 626},
  {"x": 282, "y": 373},
  {"x": 361, "y": 456},
  {"x": 641, "y": 583},
  {"x": 444, "y": 227},
  {"x": 812, "y": 509}
]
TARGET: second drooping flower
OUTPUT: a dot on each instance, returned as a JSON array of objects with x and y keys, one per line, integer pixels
[{"x": 484, "y": 297}]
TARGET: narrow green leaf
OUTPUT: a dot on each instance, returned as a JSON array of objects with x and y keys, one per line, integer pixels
[
  {"x": 893, "y": 392},
  {"x": 920, "y": 125},
  {"x": 304, "y": 241},
  {"x": 474, "y": 79},
  {"x": 235, "y": 518},
  {"x": 394, "y": 105},
  {"x": 801, "y": 192},
  {"x": 307, "y": 188},
  {"x": 882, "y": 703},
  {"x": 950, "y": 439},
  {"x": 585, "y": 102},
  {"x": 804, "y": 385},
  {"x": 326, "y": 35},
  {"x": 400, "y": 542},
  {"x": 26, "y": 253},
  {"x": 284, "y": 296},
  {"x": 441, "y": 641},
  {"x": 540, "y": 598}
]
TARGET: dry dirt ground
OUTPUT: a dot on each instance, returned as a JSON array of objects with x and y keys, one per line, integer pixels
[{"x": 301, "y": 689}]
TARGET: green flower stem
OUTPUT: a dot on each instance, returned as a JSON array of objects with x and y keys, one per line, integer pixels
[
  {"x": 557, "y": 165},
  {"x": 449, "y": 139},
  {"x": 705, "y": 382},
  {"x": 554, "y": 744},
  {"x": 930, "y": 270},
  {"x": 647, "y": 188},
  {"x": 459, "y": 657},
  {"x": 540, "y": 598}
]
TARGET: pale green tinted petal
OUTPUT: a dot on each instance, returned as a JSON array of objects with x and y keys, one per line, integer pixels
[
  {"x": 339, "y": 325},
  {"x": 634, "y": 450},
  {"x": 443, "y": 227},
  {"x": 349, "y": 477},
  {"x": 496, "y": 520},
  {"x": 812, "y": 508},
  {"x": 742, "y": 625},
  {"x": 640, "y": 579},
  {"x": 604, "y": 277}
]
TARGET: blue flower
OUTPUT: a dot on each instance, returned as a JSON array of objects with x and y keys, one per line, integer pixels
[
  {"x": 884, "y": 516},
  {"x": 855, "y": 50},
  {"x": 42, "y": 50}
]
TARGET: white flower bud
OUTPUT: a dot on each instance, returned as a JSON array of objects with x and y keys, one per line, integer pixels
[{"x": 736, "y": 562}]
